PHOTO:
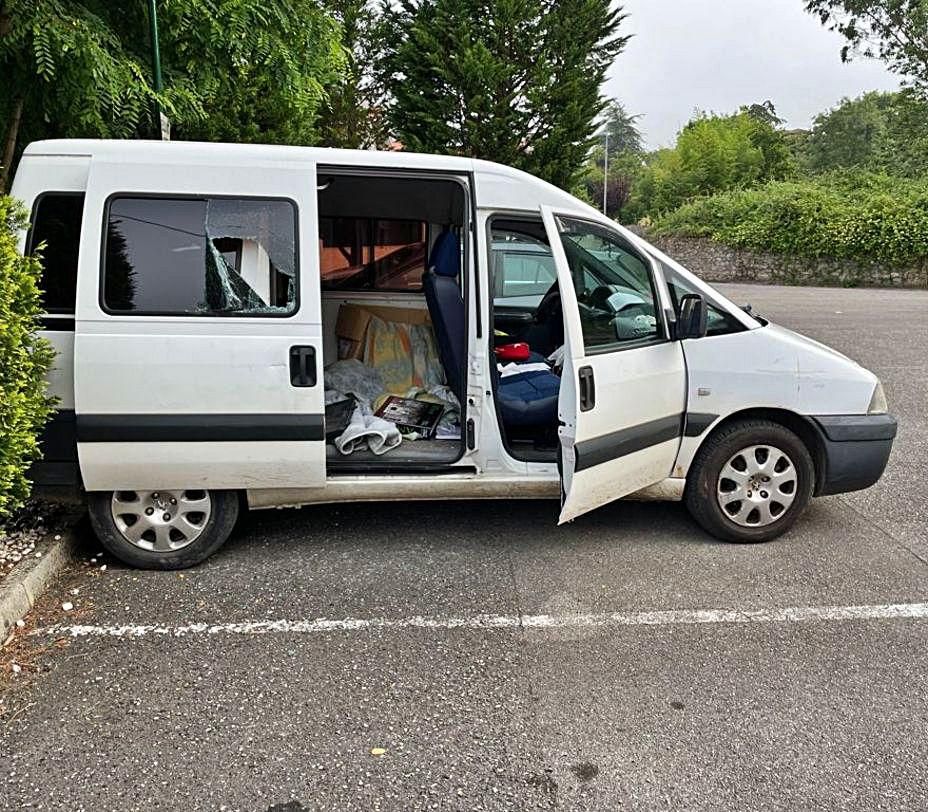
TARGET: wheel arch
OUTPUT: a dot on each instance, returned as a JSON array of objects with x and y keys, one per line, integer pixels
[{"x": 803, "y": 427}]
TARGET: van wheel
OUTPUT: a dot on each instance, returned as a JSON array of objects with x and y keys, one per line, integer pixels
[
  {"x": 163, "y": 530},
  {"x": 750, "y": 482}
]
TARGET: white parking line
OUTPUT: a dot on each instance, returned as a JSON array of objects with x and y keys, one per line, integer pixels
[{"x": 675, "y": 617}]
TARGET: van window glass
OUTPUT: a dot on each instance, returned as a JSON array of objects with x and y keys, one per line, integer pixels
[
  {"x": 615, "y": 289},
  {"x": 372, "y": 254},
  {"x": 200, "y": 256},
  {"x": 56, "y": 222},
  {"x": 720, "y": 322},
  {"x": 523, "y": 269}
]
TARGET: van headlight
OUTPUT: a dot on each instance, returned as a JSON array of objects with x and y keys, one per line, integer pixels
[{"x": 878, "y": 403}]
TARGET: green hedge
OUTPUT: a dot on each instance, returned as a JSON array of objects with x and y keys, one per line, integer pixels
[
  {"x": 857, "y": 216},
  {"x": 24, "y": 361}
]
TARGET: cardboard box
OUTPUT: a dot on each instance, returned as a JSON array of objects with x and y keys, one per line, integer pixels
[{"x": 351, "y": 325}]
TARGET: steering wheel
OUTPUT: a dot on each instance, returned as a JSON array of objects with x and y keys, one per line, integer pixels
[{"x": 550, "y": 305}]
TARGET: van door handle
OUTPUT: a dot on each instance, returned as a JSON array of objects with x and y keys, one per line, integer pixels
[
  {"x": 587, "y": 389},
  {"x": 303, "y": 366}
]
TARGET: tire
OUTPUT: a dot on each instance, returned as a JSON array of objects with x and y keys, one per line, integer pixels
[
  {"x": 200, "y": 524},
  {"x": 740, "y": 493}
]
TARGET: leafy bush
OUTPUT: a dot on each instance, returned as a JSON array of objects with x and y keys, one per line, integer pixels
[
  {"x": 858, "y": 216},
  {"x": 713, "y": 153},
  {"x": 24, "y": 360}
]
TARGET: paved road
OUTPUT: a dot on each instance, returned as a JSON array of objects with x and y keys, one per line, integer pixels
[{"x": 592, "y": 702}]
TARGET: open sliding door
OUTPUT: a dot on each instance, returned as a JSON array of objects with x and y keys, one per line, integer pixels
[
  {"x": 198, "y": 349},
  {"x": 623, "y": 388}
]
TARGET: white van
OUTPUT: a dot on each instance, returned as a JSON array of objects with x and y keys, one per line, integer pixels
[{"x": 268, "y": 326}]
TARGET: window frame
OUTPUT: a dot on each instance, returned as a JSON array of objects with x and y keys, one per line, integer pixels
[
  {"x": 370, "y": 227},
  {"x": 663, "y": 332},
  {"x": 30, "y": 237},
  {"x": 104, "y": 233}
]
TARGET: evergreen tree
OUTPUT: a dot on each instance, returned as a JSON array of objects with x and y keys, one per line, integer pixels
[{"x": 515, "y": 81}]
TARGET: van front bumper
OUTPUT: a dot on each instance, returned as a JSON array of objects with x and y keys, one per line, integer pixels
[{"x": 857, "y": 448}]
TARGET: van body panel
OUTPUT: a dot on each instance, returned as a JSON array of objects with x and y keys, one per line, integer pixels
[
  {"x": 767, "y": 368},
  {"x": 136, "y": 367}
]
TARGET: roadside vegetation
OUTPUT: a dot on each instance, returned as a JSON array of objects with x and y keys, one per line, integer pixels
[
  {"x": 852, "y": 187},
  {"x": 24, "y": 361}
]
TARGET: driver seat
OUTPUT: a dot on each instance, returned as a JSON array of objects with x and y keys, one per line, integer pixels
[{"x": 527, "y": 400}]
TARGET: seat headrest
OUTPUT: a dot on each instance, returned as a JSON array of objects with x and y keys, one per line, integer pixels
[{"x": 446, "y": 255}]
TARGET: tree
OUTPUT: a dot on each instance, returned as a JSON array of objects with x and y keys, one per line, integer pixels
[
  {"x": 238, "y": 70},
  {"x": 353, "y": 115},
  {"x": 516, "y": 81},
  {"x": 849, "y": 135},
  {"x": 622, "y": 129},
  {"x": 713, "y": 153},
  {"x": 894, "y": 31},
  {"x": 881, "y": 132},
  {"x": 765, "y": 112},
  {"x": 258, "y": 68},
  {"x": 66, "y": 72},
  {"x": 625, "y": 161}
]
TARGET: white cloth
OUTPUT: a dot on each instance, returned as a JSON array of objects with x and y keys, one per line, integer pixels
[
  {"x": 365, "y": 428},
  {"x": 518, "y": 369}
]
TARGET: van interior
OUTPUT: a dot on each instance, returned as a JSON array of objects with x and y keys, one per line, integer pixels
[{"x": 396, "y": 329}]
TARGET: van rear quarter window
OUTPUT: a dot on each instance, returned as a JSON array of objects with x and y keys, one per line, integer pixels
[
  {"x": 56, "y": 225},
  {"x": 200, "y": 256}
]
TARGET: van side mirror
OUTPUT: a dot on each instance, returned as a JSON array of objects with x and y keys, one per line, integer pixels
[{"x": 693, "y": 319}]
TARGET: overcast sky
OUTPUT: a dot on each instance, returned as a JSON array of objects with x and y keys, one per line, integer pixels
[{"x": 719, "y": 54}]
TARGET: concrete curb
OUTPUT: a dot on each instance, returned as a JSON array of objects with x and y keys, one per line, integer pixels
[{"x": 28, "y": 581}]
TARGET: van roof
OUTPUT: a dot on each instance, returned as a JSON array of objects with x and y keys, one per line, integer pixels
[{"x": 498, "y": 186}]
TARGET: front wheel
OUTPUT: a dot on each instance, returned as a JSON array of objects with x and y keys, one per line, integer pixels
[
  {"x": 750, "y": 482},
  {"x": 166, "y": 530}
]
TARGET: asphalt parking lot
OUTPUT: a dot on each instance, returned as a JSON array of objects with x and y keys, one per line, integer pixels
[{"x": 626, "y": 661}]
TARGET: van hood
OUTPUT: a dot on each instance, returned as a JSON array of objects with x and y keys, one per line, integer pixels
[{"x": 804, "y": 341}]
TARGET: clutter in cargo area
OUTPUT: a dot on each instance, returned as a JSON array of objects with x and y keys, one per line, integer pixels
[{"x": 388, "y": 360}]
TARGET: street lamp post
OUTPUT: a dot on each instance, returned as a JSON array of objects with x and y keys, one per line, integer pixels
[
  {"x": 606, "y": 175},
  {"x": 161, "y": 122}
]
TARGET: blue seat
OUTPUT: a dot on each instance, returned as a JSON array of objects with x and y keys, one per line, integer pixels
[{"x": 526, "y": 400}]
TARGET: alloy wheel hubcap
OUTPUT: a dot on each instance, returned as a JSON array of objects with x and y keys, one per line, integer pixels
[
  {"x": 161, "y": 521},
  {"x": 757, "y": 486}
]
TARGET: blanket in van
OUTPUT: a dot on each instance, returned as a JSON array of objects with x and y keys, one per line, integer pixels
[{"x": 363, "y": 383}]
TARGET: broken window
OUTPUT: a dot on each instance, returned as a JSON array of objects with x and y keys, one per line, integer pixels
[{"x": 200, "y": 256}]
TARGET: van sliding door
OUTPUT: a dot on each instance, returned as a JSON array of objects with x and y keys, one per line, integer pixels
[{"x": 198, "y": 341}]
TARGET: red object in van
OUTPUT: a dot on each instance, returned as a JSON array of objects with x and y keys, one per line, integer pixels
[{"x": 513, "y": 352}]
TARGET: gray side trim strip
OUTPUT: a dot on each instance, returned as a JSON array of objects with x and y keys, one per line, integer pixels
[
  {"x": 697, "y": 423},
  {"x": 599, "y": 450},
  {"x": 198, "y": 428},
  {"x": 856, "y": 428}
]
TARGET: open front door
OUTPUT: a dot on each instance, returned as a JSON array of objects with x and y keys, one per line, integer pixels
[
  {"x": 623, "y": 388},
  {"x": 198, "y": 349}
]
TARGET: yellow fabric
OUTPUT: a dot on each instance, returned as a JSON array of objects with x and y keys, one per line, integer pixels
[{"x": 405, "y": 355}]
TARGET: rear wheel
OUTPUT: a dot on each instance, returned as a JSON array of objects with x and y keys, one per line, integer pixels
[
  {"x": 750, "y": 482},
  {"x": 169, "y": 529}
]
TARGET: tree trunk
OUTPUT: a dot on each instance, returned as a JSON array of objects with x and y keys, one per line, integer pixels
[{"x": 9, "y": 147}]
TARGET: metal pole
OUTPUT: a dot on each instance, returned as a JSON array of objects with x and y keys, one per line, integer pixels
[
  {"x": 160, "y": 120},
  {"x": 606, "y": 175}
]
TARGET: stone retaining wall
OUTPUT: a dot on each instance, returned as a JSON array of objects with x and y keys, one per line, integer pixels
[{"x": 715, "y": 262}]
